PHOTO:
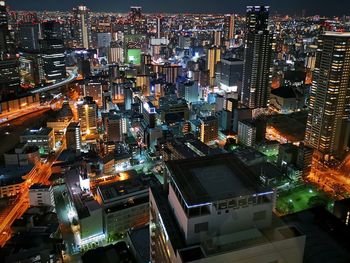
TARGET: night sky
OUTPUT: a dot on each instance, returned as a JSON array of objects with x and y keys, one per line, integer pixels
[{"x": 322, "y": 7}]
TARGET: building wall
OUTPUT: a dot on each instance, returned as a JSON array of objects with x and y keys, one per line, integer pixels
[{"x": 41, "y": 197}]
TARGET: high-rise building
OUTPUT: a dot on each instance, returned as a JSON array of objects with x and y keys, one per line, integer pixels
[
  {"x": 159, "y": 27},
  {"x": 209, "y": 128},
  {"x": 257, "y": 18},
  {"x": 73, "y": 137},
  {"x": 52, "y": 29},
  {"x": 327, "y": 128},
  {"x": 229, "y": 26},
  {"x": 116, "y": 52},
  {"x": 231, "y": 71},
  {"x": 188, "y": 90},
  {"x": 171, "y": 72},
  {"x": 257, "y": 59},
  {"x": 82, "y": 26},
  {"x": 217, "y": 38},
  {"x": 115, "y": 126},
  {"x": 213, "y": 57},
  {"x": 9, "y": 66},
  {"x": 9, "y": 78},
  {"x": 251, "y": 132},
  {"x": 53, "y": 56},
  {"x": 29, "y": 35},
  {"x": 87, "y": 112},
  {"x": 4, "y": 30}
]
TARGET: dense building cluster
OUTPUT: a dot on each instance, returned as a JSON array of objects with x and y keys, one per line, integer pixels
[{"x": 174, "y": 137}]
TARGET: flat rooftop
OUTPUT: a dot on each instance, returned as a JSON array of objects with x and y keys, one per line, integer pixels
[
  {"x": 118, "y": 189},
  {"x": 212, "y": 178}
]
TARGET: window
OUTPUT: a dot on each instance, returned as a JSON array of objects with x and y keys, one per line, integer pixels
[{"x": 201, "y": 227}]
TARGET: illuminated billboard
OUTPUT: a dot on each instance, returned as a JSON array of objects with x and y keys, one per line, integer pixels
[{"x": 134, "y": 56}]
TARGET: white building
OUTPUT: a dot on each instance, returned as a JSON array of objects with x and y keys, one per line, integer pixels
[
  {"x": 41, "y": 195},
  {"x": 215, "y": 211}
]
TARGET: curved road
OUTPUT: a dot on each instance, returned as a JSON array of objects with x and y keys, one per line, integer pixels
[{"x": 72, "y": 76}]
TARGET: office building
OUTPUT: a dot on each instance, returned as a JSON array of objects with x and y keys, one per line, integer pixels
[
  {"x": 208, "y": 129},
  {"x": 9, "y": 79},
  {"x": 231, "y": 71},
  {"x": 217, "y": 38},
  {"x": 213, "y": 57},
  {"x": 251, "y": 132},
  {"x": 229, "y": 27},
  {"x": 115, "y": 127},
  {"x": 171, "y": 72},
  {"x": 188, "y": 90},
  {"x": 327, "y": 129},
  {"x": 53, "y": 57},
  {"x": 82, "y": 26},
  {"x": 43, "y": 138},
  {"x": 215, "y": 210},
  {"x": 87, "y": 112},
  {"x": 257, "y": 59},
  {"x": 41, "y": 195},
  {"x": 29, "y": 35},
  {"x": 73, "y": 137},
  {"x": 125, "y": 203}
]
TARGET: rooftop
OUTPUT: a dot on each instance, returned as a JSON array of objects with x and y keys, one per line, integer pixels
[
  {"x": 133, "y": 183},
  {"x": 38, "y": 132},
  {"x": 212, "y": 178}
]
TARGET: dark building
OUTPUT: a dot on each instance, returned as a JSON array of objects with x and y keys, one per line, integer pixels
[
  {"x": 231, "y": 71},
  {"x": 52, "y": 29},
  {"x": 9, "y": 78},
  {"x": 53, "y": 55},
  {"x": 257, "y": 59},
  {"x": 29, "y": 34},
  {"x": 342, "y": 210}
]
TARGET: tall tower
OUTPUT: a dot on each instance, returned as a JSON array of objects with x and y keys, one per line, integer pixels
[
  {"x": 87, "y": 112},
  {"x": 4, "y": 31},
  {"x": 327, "y": 129},
  {"x": 214, "y": 56},
  {"x": 229, "y": 26},
  {"x": 159, "y": 27},
  {"x": 257, "y": 59},
  {"x": 9, "y": 66},
  {"x": 82, "y": 26}
]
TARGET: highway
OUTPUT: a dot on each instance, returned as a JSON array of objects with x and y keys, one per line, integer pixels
[
  {"x": 72, "y": 76},
  {"x": 10, "y": 116},
  {"x": 17, "y": 208}
]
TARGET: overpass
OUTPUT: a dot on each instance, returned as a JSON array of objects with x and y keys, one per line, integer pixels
[{"x": 72, "y": 76}]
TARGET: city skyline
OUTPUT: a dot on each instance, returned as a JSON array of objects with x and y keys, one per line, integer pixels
[
  {"x": 197, "y": 133},
  {"x": 312, "y": 7}
]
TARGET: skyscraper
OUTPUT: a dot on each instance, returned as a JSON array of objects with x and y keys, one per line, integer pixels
[
  {"x": 29, "y": 34},
  {"x": 82, "y": 26},
  {"x": 87, "y": 112},
  {"x": 9, "y": 66},
  {"x": 73, "y": 137},
  {"x": 327, "y": 129},
  {"x": 257, "y": 59},
  {"x": 4, "y": 32},
  {"x": 214, "y": 56},
  {"x": 229, "y": 26}
]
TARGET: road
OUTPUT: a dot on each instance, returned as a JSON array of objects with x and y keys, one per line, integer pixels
[
  {"x": 17, "y": 208},
  {"x": 72, "y": 76},
  {"x": 329, "y": 179},
  {"x": 10, "y": 116}
]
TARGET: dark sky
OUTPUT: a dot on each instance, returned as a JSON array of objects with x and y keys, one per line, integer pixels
[{"x": 323, "y": 7}]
